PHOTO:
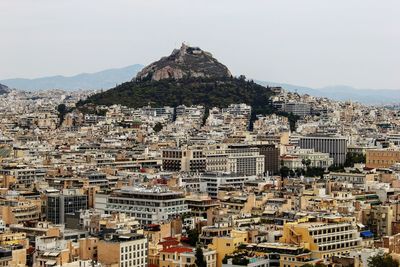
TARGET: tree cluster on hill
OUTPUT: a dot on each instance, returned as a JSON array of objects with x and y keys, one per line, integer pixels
[{"x": 192, "y": 91}]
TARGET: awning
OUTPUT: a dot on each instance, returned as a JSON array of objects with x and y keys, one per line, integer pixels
[
  {"x": 366, "y": 234},
  {"x": 51, "y": 263},
  {"x": 54, "y": 254}
]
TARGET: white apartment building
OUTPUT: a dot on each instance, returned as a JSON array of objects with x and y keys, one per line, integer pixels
[
  {"x": 235, "y": 158},
  {"x": 216, "y": 181},
  {"x": 294, "y": 159},
  {"x": 124, "y": 250},
  {"x": 147, "y": 205}
]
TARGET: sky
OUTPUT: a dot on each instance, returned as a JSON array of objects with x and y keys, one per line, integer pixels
[{"x": 312, "y": 43}]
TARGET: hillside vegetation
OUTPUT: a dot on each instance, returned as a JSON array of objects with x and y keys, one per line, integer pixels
[{"x": 199, "y": 91}]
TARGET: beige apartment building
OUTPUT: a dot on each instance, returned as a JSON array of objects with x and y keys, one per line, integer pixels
[
  {"x": 19, "y": 210},
  {"x": 382, "y": 158},
  {"x": 325, "y": 239}
]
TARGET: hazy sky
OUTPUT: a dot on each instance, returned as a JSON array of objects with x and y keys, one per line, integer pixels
[{"x": 304, "y": 42}]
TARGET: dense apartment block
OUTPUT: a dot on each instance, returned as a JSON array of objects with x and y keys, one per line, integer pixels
[{"x": 147, "y": 205}]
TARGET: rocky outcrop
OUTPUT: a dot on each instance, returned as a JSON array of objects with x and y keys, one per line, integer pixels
[{"x": 186, "y": 62}]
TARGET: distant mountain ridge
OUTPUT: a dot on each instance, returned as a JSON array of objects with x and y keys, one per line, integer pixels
[
  {"x": 99, "y": 80},
  {"x": 344, "y": 93}
]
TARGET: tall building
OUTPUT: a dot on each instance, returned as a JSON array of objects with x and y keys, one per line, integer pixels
[
  {"x": 271, "y": 154},
  {"x": 68, "y": 202},
  {"x": 147, "y": 205},
  {"x": 334, "y": 145}
]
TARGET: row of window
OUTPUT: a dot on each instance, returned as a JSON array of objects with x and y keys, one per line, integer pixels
[
  {"x": 330, "y": 230},
  {"x": 132, "y": 255}
]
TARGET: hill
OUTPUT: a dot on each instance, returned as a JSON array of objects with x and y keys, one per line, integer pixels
[
  {"x": 193, "y": 78},
  {"x": 188, "y": 76},
  {"x": 186, "y": 62},
  {"x": 98, "y": 80}
]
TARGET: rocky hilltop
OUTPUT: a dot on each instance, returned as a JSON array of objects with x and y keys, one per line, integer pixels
[{"x": 186, "y": 62}]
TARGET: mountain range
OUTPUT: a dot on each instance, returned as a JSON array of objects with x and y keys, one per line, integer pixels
[
  {"x": 111, "y": 77},
  {"x": 99, "y": 80},
  {"x": 344, "y": 93}
]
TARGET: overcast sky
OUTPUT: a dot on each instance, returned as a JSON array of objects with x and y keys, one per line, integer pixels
[{"x": 305, "y": 42}]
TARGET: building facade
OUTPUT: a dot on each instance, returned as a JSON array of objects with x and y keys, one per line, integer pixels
[
  {"x": 147, "y": 205},
  {"x": 335, "y": 146}
]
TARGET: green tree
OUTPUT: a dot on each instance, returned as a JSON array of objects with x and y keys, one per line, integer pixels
[
  {"x": 306, "y": 162},
  {"x": 382, "y": 259},
  {"x": 315, "y": 172},
  {"x": 336, "y": 168},
  {"x": 200, "y": 261},
  {"x": 193, "y": 236},
  {"x": 284, "y": 171},
  {"x": 352, "y": 158},
  {"x": 206, "y": 114},
  {"x": 158, "y": 127},
  {"x": 62, "y": 111}
]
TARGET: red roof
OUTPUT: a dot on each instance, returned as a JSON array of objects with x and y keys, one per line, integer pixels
[
  {"x": 170, "y": 238},
  {"x": 169, "y": 243},
  {"x": 177, "y": 249}
]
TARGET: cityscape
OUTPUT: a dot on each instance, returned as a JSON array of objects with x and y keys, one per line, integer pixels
[{"x": 184, "y": 163}]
